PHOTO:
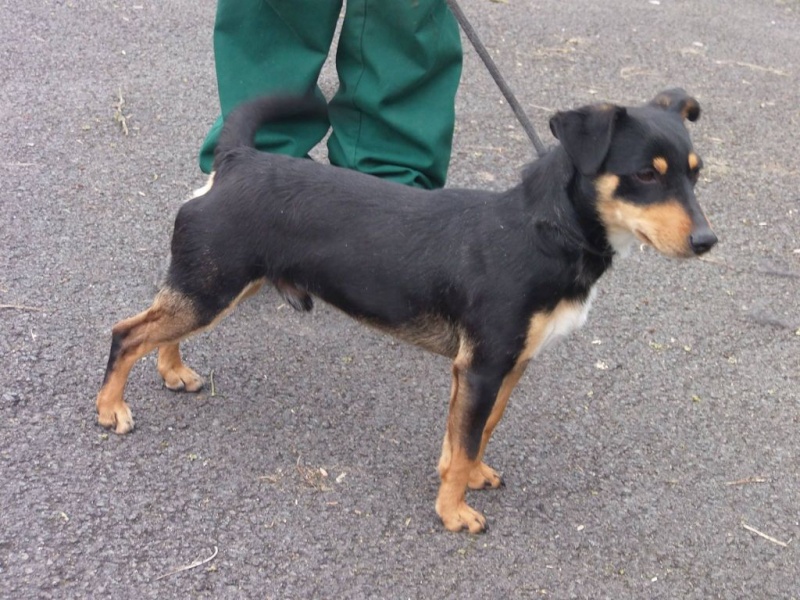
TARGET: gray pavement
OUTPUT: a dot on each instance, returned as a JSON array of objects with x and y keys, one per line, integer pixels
[{"x": 639, "y": 455}]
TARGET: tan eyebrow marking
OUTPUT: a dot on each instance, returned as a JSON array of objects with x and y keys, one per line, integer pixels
[
  {"x": 694, "y": 161},
  {"x": 660, "y": 165}
]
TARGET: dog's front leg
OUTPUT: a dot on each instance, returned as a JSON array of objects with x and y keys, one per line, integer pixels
[
  {"x": 482, "y": 475},
  {"x": 472, "y": 398}
]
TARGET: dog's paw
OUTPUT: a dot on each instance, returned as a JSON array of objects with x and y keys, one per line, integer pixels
[
  {"x": 461, "y": 516},
  {"x": 484, "y": 477},
  {"x": 181, "y": 378},
  {"x": 118, "y": 418}
]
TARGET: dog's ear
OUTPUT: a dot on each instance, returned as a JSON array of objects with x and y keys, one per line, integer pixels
[
  {"x": 677, "y": 100},
  {"x": 585, "y": 133}
]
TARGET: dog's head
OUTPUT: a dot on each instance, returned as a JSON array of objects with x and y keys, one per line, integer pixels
[{"x": 643, "y": 170}]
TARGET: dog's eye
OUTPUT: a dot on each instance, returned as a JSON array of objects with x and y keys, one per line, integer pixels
[
  {"x": 647, "y": 176},
  {"x": 694, "y": 175}
]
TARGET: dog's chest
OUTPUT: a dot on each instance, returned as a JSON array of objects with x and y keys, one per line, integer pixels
[{"x": 546, "y": 328}]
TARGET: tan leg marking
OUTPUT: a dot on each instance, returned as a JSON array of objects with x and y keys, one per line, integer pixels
[
  {"x": 171, "y": 319},
  {"x": 543, "y": 329},
  {"x": 112, "y": 411},
  {"x": 482, "y": 476},
  {"x": 177, "y": 376},
  {"x": 454, "y": 464}
]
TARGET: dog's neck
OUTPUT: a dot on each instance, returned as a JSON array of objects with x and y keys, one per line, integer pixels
[
  {"x": 583, "y": 196},
  {"x": 560, "y": 205},
  {"x": 571, "y": 214}
]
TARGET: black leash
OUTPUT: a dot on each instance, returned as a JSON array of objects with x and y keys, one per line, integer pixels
[{"x": 498, "y": 78}]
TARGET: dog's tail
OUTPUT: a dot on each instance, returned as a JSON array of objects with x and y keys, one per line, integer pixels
[{"x": 242, "y": 124}]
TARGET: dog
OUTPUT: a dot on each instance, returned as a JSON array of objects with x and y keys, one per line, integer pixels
[{"x": 487, "y": 279}]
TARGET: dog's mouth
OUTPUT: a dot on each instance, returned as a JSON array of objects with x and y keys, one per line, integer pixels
[{"x": 671, "y": 251}]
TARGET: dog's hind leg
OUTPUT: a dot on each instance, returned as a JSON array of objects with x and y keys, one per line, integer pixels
[
  {"x": 171, "y": 318},
  {"x": 176, "y": 375}
]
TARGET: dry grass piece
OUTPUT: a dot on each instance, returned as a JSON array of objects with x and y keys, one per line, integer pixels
[
  {"x": 312, "y": 477},
  {"x": 747, "y": 480},
  {"x": 119, "y": 116},
  {"x": 20, "y": 307},
  {"x": 193, "y": 565},
  {"x": 764, "y": 535}
]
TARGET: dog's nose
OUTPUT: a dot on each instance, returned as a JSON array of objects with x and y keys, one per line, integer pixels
[{"x": 702, "y": 240}]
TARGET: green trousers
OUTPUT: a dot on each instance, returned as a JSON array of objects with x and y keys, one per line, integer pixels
[{"x": 398, "y": 62}]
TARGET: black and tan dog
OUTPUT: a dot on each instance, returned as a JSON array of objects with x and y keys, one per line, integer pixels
[{"x": 487, "y": 279}]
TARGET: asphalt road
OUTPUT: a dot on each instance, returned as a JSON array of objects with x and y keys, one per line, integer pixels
[{"x": 639, "y": 455}]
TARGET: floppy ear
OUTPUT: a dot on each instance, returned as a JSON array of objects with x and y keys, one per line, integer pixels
[
  {"x": 585, "y": 133},
  {"x": 677, "y": 100}
]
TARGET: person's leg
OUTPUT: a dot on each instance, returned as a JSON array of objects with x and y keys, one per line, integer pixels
[
  {"x": 271, "y": 46},
  {"x": 399, "y": 65}
]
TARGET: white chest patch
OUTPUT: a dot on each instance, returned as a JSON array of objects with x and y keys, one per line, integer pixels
[
  {"x": 621, "y": 241},
  {"x": 546, "y": 328}
]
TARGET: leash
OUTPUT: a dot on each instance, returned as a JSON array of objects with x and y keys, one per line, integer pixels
[{"x": 469, "y": 31}]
